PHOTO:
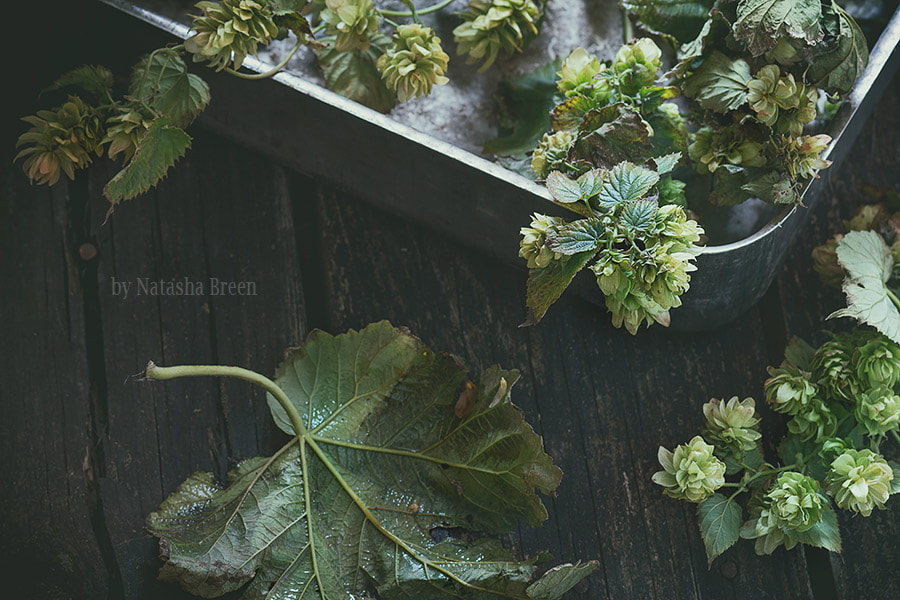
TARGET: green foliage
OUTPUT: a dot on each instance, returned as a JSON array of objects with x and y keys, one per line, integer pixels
[
  {"x": 761, "y": 23},
  {"x": 325, "y": 514},
  {"x": 161, "y": 81},
  {"x": 162, "y": 145},
  {"x": 354, "y": 74},
  {"x": 843, "y": 403},
  {"x": 842, "y": 57},
  {"x": 94, "y": 79},
  {"x": 681, "y": 19},
  {"x": 643, "y": 250},
  {"x": 720, "y": 83}
]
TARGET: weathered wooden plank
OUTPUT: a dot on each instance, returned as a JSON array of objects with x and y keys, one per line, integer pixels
[
  {"x": 49, "y": 495},
  {"x": 222, "y": 216},
  {"x": 602, "y": 400},
  {"x": 866, "y": 567}
]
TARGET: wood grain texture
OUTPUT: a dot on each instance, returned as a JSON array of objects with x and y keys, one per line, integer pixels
[{"x": 602, "y": 400}]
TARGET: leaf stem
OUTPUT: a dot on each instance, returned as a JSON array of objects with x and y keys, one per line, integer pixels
[
  {"x": 892, "y": 296},
  {"x": 421, "y": 11},
  {"x": 163, "y": 373},
  {"x": 743, "y": 486},
  {"x": 271, "y": 72}
]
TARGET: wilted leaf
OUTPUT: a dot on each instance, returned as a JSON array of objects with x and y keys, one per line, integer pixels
[
  {"x": 525, "y": 105},
  {"x": 160, "y": 148},
  {"x": 773, "y": 187},
  {"x": 611, "y": 134},
  {"x": 837, "y": 63},
  {"x": 761, "y": 22},
  {"x": 720, "y": 524},
  {"x": 165, "y": 84},
  {"x": 716, "y": 28},
  {"x": 546, "y": 285},
  {"x": 346, "y": 509},
  {"x": 681, "y": 19},
  {"x": 579, "y": 236},
  {"x": 354, "y": 74},
  {"x": 720, "y": 83},
  {"x": 869, "y": 263},
  {"x": 568, "y": 114},
  {"x": 91, "y": 78},
  {"x": 626, "y": 183}
]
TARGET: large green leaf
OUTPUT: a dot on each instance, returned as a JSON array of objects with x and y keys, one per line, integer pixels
[
  {"x": 611, "y": 134},
  {"x": 164, "y": 83},
  {"x": 868, "y": 262},
  {"x": 720, "y": 520},
  {"x": 578, "y": 236},
  {"x": 389, "y": 456},
  {"x": 160, "y": 148},
  {"x": 837, "y": 63},
  {"x": 824, "y": 534},
  {"x": 682, "y": 19},
  {"x": 546, "y": 285},
  {"x": 760, "y": 23},
  {"x": 525, "y": 105},
  {"x": 720, "y": 83},
  {"x": 626, "y": 183},
  {"x": 353, "y": 74}
]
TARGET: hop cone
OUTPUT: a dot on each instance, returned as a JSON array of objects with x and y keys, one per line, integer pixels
[
  {"x": 551, "y": 152},
  {"x": 491, "y": 28},
  {"x": 229, "y": 30},
  {"x": 860, "y": 480},
  {"x": 795, "y": 501},
  {"x": 833, "y": 371},
  {"x": 789, "y": 390},
  {"x": 712, "y": 148},
  {"x": 877, "y": 362},
  {"x": 533, "y": 245},
  {"x": 578, "y": 72},
  {"x": 801, "y": 154},
  {"x": 762, "y": 97},
  {"x": 692, "y": 472},
  {"x": 126, "y": 128},
  {"x": 352, "y": 22},
  {"x": 733, "y": 424},
  {"x": 61, "y": 139},
  {"x": 414, "y": 62},
  {"x": 636, "y": 65},
  {"x": 878, "y": 411},
  {"x": 816, "y": 421}
]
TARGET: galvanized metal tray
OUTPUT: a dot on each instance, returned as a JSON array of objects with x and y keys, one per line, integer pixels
[{"x": 421, "y": 162}]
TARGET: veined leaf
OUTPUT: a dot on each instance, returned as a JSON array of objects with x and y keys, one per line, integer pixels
[
  {"x": 639, "y": 215},
  {"x": 569, "y": 191},
  {"x": 868, "y": 263},
  {"x": 91, "y": 78},
  {"x": 568, "y": 114},
  {"x": 681, "y": 19},
  {"x": 665, "y": 164},
  {"x": 761, "y": 22},
  {"x": 716, "y": 28},
  {"x": 626, "y": 183},
  {"x": 346, "y": 509},
  {"x": 354, "y": 74},
  {"x": 525, "y": 105},
  {"x": 799, "y": 353},
  {"x": 774, "y": 187},
  {"x": 161, "y": 147},
  {"x": 720, "y": 83},
  {"x": 611, "y": 134},
  {"x": 579, "y": 236},
  {"x": 720, "y": 524},
  {"x": 546, "y": 285},
  {"x": 824, "y": 534},
  {"x": 164, "y": 83},
  {"x": 837, "y": 65}
]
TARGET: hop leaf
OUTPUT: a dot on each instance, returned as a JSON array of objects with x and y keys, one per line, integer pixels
[
  {"x": 414, "y": 62},
  {"x": 161, "y": 80},
  {"x": 760, "y": 23},
  {"x": 355, "y": 75},
  {"x": 94, "y": 79},
  {"x": 358, "y": 483},
  {"x": 720, "y": 84}
]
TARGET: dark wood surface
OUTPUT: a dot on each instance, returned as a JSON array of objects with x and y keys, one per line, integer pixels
[{"x": 87, "y": 453}]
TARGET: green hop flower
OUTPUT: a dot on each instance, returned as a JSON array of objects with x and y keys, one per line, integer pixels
[
  {"x": 578, "y": 72},
  {"x": 832, "y": 368},
  {"x": 732, "y": 424},
  {"x": 229, "y": 30},
  {"x": 789, "y": 390},
  {"x": 645, "y": 286},
  {"x": 414, "y": 62},
  {"x": 352, "y": 22},
  {"x": 533, "y": 246},
  {"x": 802, "y": 109},
  {"x": 60, "y": 140},
  {"x": 801, "y": 154},
  {"x": 826, "y": 264},
  {"x": 671, "y": 191},
  {"x": 762, "y": 97},
  {"x": 860, "y": 480},
  {"x": 126, "y": 128},
  {"x": 692, "y": 472},
  {"x": 494, "y": 27},
  {"x": 795, "y": 501},
  {"x": 878, "y": 410},
  {"x": 636, "y": 65},
  {"x": 816, "y": 421},
  {"x": 877, "y": 361},
  {"x": 764, "y": 526},
  {"x": 711, "y": 149},
  {"x": 551, "y": 152}
]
